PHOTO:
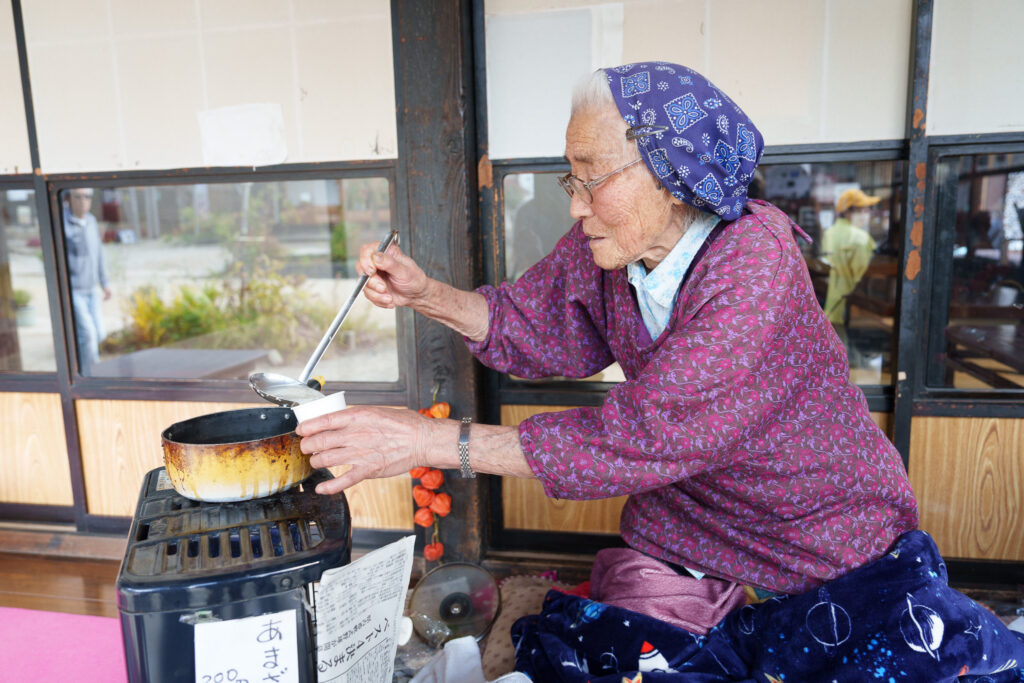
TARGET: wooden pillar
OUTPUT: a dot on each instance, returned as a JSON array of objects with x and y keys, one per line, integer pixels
[
  {"x": 436, "y": 195},
  {"x": 910, "y": 334}
]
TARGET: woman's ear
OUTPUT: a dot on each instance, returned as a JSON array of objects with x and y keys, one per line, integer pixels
[{"x": 687, "y": 212}]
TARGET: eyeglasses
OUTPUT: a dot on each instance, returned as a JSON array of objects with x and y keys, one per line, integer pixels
[
  {"x": 81, "y": 195},
  {"x": 574, "y": 186}
]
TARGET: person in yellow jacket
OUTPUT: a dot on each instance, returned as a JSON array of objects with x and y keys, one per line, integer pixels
[{"x": 847, "y": 247}]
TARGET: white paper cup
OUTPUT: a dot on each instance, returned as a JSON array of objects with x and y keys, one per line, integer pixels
[{"x": 321, "y": 406}]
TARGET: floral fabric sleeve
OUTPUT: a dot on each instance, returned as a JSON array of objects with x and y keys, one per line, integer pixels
[{"x": 544, "y": 324}]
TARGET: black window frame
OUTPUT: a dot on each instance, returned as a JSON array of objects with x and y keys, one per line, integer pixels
[
  {"x": 233, "y": 390},
  {"x": 73, "y": 386},
  {"x": 505, "y": 390},
  {"x": 435, "y": 106},
  {"x": 928, "y": 399},
  {"x": 39, "y": 381},
  {"x": 571, "y": 392}
]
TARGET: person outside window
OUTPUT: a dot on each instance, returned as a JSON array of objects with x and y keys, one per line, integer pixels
[
  {"x": 847, "y": 247},
  {"x": 87, "y": 271}
]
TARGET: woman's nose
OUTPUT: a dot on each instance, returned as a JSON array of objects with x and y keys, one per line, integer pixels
[{"x": 579, "y": 208}]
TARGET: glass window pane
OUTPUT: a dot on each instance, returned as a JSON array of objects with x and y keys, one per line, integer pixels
[
  {"x": 219, "y": 280},
  {"x": 26, "y": 333},
  {"x": 853, "y": 259},
  {"x": 979, "y": 218},
  {"x": 536, "y": 216},
  {"x": 854, "y": 267}
]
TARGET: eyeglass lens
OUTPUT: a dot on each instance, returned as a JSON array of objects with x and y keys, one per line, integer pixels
[{"x": 574, "y": 186}]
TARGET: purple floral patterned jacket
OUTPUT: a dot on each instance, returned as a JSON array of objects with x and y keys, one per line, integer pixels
[{"x": 744, "y": 448}]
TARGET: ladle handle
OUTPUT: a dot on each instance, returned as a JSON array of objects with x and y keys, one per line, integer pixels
[{"x": 342, "y": 314}]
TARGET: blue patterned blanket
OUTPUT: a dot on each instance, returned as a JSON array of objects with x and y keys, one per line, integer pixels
[{"x": 893, "y": 620}]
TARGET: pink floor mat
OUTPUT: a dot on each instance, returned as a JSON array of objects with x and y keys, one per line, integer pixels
[{"x": 40, "y": 647}]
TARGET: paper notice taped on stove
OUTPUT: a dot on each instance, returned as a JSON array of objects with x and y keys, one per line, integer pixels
[
  {"x": 248, "y": 649},
  {"x": 358, "y": 608}
]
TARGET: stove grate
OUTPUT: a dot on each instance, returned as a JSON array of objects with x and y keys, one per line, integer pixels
[{"x": 174, "y": 535}]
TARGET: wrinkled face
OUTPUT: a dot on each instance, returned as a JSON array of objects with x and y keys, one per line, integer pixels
[{"x": 631, "y": 217}]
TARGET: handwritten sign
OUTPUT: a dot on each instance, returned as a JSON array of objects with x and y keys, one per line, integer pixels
[
  {"x": 259, "y": 649},
  {"x": 358, "y": 607}
]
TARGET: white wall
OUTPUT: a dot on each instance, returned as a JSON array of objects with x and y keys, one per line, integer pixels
[
  {"x": 120, "y": 84},
  {"x": 976, "y": 82},
  {"x": 14, "y": 154},
  {"x": 805, "y": 71}
]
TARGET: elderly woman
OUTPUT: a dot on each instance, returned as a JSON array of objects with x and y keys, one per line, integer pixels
[{"x": 747, "y": 454}]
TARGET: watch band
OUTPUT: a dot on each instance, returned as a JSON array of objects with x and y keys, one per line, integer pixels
[{"x": 467, "y": 471}]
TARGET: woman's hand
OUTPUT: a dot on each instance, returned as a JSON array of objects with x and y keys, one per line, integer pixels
[
  {"x": 394, "y": 278},
  {"x": 375, "y": 442}
]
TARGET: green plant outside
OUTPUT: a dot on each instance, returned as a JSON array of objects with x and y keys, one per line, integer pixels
[
  {"x": 251, "y": 304},
  {"x": 339, "y": 242},
  {"x": 254, "y": 309}
]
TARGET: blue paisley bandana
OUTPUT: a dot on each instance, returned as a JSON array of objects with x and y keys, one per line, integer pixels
[{"x": 693, "y": 138}]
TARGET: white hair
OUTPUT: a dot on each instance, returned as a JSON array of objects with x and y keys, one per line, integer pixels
[{"x": 592, "y": 91}]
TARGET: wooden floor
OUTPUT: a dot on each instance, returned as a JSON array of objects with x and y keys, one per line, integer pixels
[
  {"x": 75, "y": 586},
  {"x": 87, "y": 586}
]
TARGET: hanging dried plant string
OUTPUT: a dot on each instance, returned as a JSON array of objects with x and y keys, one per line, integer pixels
[{"x": 431, "y": 504}]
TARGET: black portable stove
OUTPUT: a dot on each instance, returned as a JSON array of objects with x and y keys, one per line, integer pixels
[{"x": 188, "y": 562}]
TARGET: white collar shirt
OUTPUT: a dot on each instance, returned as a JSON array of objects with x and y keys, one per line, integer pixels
[{"x": 656, "y": 291}]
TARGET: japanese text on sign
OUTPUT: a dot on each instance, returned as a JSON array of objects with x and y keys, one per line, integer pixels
[
  {"x": 261, "y": 649},
  {"x": 357, "y": 608}
]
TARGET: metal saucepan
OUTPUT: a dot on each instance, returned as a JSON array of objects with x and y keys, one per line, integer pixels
[
  {"x": 285, "y": 391},
  {"x": 235, "y": 455}
]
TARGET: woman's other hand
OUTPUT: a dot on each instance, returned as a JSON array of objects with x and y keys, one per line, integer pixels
[
  {"x": 375, "y": 442},
  {"x": 394, "y": 278}
]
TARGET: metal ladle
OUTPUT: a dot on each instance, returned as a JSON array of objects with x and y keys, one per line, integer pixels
[{"x": 288, "y": 392}]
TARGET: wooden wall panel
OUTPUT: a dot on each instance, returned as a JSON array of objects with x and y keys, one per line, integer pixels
[
  {"x": 968, "y": 475},
  {"x": 33, "y": 450},
  {"x": 381, "y": 503},
  {"x": 525, "y": 506},
  {"x": 120, "y": 442},
  {"x": 883, "y": 420}
]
